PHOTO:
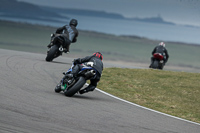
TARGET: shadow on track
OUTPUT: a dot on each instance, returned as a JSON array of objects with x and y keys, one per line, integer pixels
[{"x": 58, "y": 62}]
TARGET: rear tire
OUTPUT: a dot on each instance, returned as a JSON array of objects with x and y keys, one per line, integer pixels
[
  {"x": 52, "y": 52},
  {"x": 76, "y": 87},
  {"x": 155, "y": 64}
]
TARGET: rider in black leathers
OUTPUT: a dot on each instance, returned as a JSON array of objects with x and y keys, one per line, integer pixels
[
  {"x": 97, "y": 64},
  {"x": 160, "y": 49},
  {"x": 68, "y": 32}
]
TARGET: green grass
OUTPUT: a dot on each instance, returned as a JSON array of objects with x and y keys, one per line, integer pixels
[{"x": 175, "y": 93}]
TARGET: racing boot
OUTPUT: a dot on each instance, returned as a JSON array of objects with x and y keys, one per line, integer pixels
[
  {"x": 66, "y": 49},
  {"x": 83, "y": 91},
  {"x": 87, "y": 89}
]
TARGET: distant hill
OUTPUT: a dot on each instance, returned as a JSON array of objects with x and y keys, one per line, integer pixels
[
  {"x": 157, "y": 19},
  {"x": 81, "y": 12},
  {"x": 24, "y": 10},
  {"x": 103, "y": 14},
  {"x": 16, "y": 9}
]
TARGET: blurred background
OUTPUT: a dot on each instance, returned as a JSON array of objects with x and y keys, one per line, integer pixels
[
  {"x": 171, "y": 20},
  {"x": 127, "y": 29}
]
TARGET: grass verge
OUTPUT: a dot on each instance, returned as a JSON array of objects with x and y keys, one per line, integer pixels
[{"x": 174, "y": 93}]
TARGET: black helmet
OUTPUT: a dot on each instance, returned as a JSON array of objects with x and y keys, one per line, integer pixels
[
  {"x": 99, "y": 55},
  {"x": 73, "y": 22}
]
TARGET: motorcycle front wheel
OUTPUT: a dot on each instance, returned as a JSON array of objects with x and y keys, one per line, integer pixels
[{"x": 58, "y": 89}]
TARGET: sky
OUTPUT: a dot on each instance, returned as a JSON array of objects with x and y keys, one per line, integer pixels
[{"x": 185, "y": 12}]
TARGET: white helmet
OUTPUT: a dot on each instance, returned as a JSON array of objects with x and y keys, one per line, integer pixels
[{"x": 162, "y": 44}]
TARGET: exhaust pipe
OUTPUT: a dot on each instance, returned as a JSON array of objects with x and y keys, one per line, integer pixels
[{"x": 90, "y": 73}]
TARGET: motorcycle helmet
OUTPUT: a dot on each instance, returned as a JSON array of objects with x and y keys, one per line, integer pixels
[
  {"x": 162, "y": 44},
  {"x": 73, "y": 22},
  {"x": 99, "y": 55}
]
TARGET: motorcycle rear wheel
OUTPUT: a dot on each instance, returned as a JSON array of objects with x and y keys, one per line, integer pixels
[
  {"x": 155, "y": 64},
  {"x": 76, "y": 87},
  {"x": 52, "y": 52}
]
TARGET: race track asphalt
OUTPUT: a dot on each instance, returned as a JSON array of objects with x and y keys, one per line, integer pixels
[{"x": 28, "y": 103}]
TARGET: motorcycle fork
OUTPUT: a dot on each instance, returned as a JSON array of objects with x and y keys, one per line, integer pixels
[{"x": 63, "y": 85}]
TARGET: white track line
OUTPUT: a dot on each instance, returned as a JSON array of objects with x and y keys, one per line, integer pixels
[{"x": 146, "y": 108}]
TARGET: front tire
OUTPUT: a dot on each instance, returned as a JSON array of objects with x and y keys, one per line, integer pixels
[
  {"x": 58, "y": 88},
  {"x": 76, "y": 87},
  {"x": 52, "y": 52}
]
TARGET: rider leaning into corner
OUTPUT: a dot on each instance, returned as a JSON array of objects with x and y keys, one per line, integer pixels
[
  {"x": 160, "y": 49},
  {"x": 68, "y": 32},
  {"x": 95, "y": 61}
]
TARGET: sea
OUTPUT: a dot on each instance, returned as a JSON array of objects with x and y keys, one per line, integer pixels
[{"x": 156, "y": 31}]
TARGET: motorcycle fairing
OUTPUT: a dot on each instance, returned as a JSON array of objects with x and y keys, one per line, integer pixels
[{"x": 158, "y": 56}]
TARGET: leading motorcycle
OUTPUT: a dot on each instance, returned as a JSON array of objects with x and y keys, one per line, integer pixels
[
  {"x": 71, "y": 86},
  {"x": 158, "y": 61},
  {"x": 56, "y": 48}
]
